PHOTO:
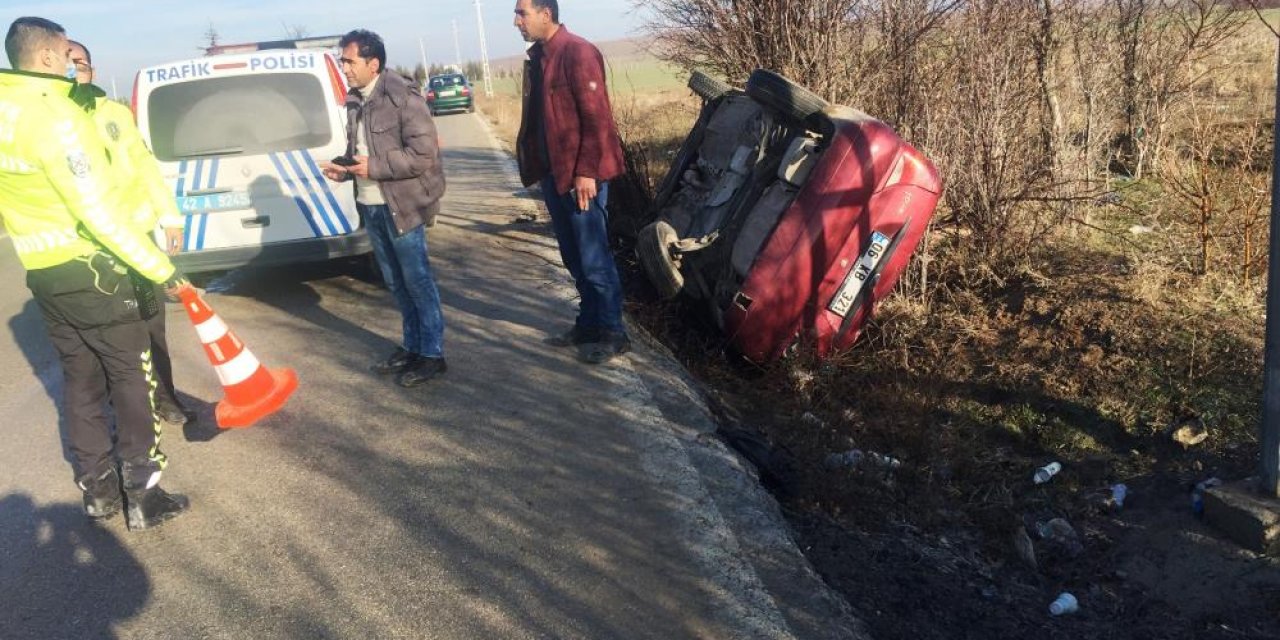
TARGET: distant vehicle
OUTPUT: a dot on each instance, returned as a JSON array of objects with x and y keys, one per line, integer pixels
[
  {"x": 240, "y": 136},
  {"x": 788, "y": 216},
  {"x": 450, "y": 92}
]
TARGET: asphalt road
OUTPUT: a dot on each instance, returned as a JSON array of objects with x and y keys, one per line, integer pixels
[{"x": 524, "y": 495}]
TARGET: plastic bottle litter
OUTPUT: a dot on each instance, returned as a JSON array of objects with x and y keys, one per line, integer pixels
[
  {"x": 1197, "y": 494},
  {"x": 1043, "y": 474},
  {"x": 1118, "y": 493},
  {"x": 1066, "y": 603}
]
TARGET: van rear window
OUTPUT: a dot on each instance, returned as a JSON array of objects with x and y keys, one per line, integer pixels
[{"x": 249, "y": 114}]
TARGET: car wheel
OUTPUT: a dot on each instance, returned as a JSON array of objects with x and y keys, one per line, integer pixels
[
  {"x": 784, "y": 96},
  {"x": 654, "y": 246},
  {"x": 707, "y": 87},
  {"x": 471, "y": 107}
]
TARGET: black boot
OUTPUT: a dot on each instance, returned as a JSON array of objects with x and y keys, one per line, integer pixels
[
  {"x": 101, "y": 493},
  {"x": 150, "y": 507}
]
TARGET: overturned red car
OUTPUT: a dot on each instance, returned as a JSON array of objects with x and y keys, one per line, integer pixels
[{"x": 788, "y": 215}]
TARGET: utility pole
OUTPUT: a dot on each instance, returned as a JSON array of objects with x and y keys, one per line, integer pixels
[
  {"x": 1269, "y": 480},
  {"x": 457, "y": 49},
  {"x": 484, "y": 53},
  {"x": 115, "y": 95},
  {"x": 423, "y": 52}
]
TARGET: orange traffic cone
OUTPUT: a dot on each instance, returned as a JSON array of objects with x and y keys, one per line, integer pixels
[{"x": 253, "y": 391}]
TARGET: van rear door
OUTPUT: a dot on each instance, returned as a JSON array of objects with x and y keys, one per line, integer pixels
[{"x": 240, "y": 139}]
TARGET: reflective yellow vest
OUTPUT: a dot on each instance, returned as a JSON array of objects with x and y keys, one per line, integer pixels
[
  {"x": 58, "y": 192},
  {"x": 151, "y": 200}
]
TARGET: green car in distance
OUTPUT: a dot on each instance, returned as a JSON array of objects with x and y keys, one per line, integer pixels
[{"x": 449, "y": 92}]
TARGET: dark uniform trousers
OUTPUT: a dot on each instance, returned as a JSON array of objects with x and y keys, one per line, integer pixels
[
  {"x": 91, "y": 312},
  {"x": 165, "y": 392}
]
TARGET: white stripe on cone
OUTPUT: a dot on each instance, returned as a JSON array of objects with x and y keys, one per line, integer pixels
[
  {"x": 211, "y": 330},
  {"x": 239, "y": 369}
]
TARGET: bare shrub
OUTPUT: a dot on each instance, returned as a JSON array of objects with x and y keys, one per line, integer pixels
[
  {"x": 1220, "y": 192},
  {"x": 805, "y": 40},
  {"x": 650, "y": 138},
  {"x": 1164, "y": 47}
]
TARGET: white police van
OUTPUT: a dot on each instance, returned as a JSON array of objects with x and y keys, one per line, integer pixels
[{"x": 240, "y": 135}]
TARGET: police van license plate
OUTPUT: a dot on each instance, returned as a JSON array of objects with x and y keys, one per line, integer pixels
[
  {"x": 857, "y": 278},
  {"x": 214, "y": 202}
]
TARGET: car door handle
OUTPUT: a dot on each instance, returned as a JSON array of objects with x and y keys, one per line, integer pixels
[
  {"x": 208, "y": 192},
  {"x": 255, "y": 222}
]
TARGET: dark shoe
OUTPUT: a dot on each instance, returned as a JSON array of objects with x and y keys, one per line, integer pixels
[
  {"x": 423, "y": 371},
  {"x": 102, "y": 497},
  {"x": 574, "y": 336},
  {"x": 150, "y": 507},
  {"x": 399, "y": 361},
  {"x": 611, "y": 345},
  {"x": 172, "y": 413}
]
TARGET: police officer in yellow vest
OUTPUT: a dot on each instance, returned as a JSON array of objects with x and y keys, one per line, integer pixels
[
  {"x": 72, "y": 228},
  {"x": 137, "y": 167}
]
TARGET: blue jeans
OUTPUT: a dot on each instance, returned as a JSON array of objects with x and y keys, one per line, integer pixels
[
  {"x": 407, "y": 272},
  {"x": 583, "y": 237}
]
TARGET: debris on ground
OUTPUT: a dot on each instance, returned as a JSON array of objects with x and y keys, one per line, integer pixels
[
  {"x": 1024, "y": 547},
  {"x": 1060, "y": 536},
  {"x": 1064, "y": 604},
  {"x": 1043, "y": 474},
  {"x": 1190, "y": 433}
]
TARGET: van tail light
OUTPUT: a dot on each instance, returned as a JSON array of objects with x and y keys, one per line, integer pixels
[
  {"x": 133, "y": 102},
  {"x": 431, "y": 96},
  {"x": 336, "y": 80},
  {"x": 466, "y": 91}
]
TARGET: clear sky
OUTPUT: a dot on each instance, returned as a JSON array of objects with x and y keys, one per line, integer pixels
[{"x": 126, "y": 35}]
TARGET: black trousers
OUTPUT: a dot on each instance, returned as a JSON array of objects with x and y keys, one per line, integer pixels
[
  {"x": 91, "y": 313},
  {"x": 165, "y": 392}
]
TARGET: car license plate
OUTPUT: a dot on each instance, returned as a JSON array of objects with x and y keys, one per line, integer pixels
[
  {"x": 449, "y": 94},
  {"x": 214, "y": 202},
  {"x": 858, "y": 276}
]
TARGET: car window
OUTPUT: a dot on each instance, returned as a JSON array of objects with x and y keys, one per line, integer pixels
[
  {"x": 248, "y": 114},
  {"x": 447, "y": 81}
]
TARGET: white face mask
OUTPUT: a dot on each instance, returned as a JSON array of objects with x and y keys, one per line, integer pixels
[{"x": 71, "y": 70}]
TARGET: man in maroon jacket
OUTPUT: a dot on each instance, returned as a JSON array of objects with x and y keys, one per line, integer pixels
[{"x": 569, "y": 142}]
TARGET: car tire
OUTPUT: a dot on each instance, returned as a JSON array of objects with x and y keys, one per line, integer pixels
[
  {"x": 653, "y": 247},
  {"x": 784, "y": 96},
  {"x": 707, "y": 87},
  {"x": 471, "y": 107}
]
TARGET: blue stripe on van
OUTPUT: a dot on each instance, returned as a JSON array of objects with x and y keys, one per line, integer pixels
[
  {"x": 195, "y": 186},
  {"x": 204, "y": 217},
  {"x": 302, "y": 205},
  {"x": 204, "y": 226},
  {"x": 311, "y": 192},
  {"x": 328, "y": 193},
  {"x": 187, "y": 240}
]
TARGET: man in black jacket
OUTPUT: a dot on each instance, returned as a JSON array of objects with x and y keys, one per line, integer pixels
[{"x": 394, "y": 157}]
